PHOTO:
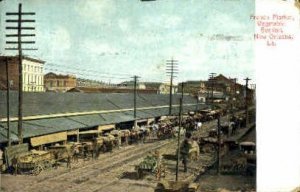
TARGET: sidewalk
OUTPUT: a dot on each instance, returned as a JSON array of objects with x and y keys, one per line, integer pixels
[{"x": 240, "y": 133}]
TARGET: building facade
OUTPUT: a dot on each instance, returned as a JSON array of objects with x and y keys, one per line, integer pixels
[
  {"x": 32, "y": 72},
  {"x": 59, "y": 83},
  {"x": 192, "y": 87}
]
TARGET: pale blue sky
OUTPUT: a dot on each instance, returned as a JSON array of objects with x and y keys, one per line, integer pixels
[{"x": 112, "y": 40}]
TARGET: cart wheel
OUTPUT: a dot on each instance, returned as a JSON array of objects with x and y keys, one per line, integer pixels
[
  {"x": 37, "y": 170},
  {"x": 47, "y": 165},
  {"x": 140, "y": 173}
]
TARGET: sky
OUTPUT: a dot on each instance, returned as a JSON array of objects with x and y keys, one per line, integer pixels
[{"x": 112, "y": 40}]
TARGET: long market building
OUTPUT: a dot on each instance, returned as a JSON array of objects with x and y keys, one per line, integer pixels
[{"x": 56, "y": 117}]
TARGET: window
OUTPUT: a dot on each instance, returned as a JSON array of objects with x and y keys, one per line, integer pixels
[{"x": 57, "y": 83}]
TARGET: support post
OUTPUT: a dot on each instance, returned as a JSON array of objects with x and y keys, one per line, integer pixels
[
  {"x": 178, "y": 140},
  {"x": 134, "y": 100},
  {"x": 77, "y": 136},
  {"x": 8, "y": 102},
  {"x": 219, "y": 145}
]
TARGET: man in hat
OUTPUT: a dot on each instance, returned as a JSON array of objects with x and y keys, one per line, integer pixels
[{"x": 184, "y": 150}]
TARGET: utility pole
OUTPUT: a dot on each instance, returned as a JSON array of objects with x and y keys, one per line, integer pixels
[
  {"x": 182, "y": 89},
  {"x": 179, "y": 130},
  {"x": 212, "y": 80},
  {"x": 178, "y": 138},
  {"x": 246, "y": 101},
  {"x": 235, "y": 79},
  {"x": 233, "y": 96},
  {"x": 134, "y": 99},
  {"x": 219, "y": 146},
  {"x": 8, "y": 102},
  {"x": 19, "y": 42},
  {"x": 172, "y": 68},
  {"x": 197, "y": 103}
]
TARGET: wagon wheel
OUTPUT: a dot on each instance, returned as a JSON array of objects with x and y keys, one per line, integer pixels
[
  {"x": 37, "y": 169},
  {"x": 140, "y": 173},
  {"x": 47, "y": 165},
  {"x": 158, "y": 172}
]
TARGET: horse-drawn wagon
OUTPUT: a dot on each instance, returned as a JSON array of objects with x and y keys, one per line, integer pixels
[
  {"x": 34, "y": 162},
  {"x": 152, "y": 163}
]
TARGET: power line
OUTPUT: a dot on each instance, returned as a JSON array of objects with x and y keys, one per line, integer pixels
[
  {"x": 88, "y": 70},
  {"x": 84, "y": 73}
]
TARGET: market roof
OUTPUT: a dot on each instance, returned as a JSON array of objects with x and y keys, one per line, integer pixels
[
  {"x": 46, "y": 113},
  {"x": 49, "y": 103}
]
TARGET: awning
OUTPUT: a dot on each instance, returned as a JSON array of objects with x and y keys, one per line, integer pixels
[
  {"x": 106, "y": 127},
  {"x": 73, "y": 132},
  {"x": 51, "y": 138},
  {"x": 141, "y": 120},
  {"x": 90, "y": 132}
]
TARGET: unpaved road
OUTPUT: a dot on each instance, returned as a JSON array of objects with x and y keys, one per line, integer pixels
[
  {"x": 110, "y": 172},
  {"x": 92, "y": 175}
]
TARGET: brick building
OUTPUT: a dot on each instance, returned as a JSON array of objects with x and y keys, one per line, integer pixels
[
  {"x": 59, "y": 83},
  {"x": 226, "y": 85},
  {"x": 33, "y": 80},
  {"x": 193, "y": 87}
]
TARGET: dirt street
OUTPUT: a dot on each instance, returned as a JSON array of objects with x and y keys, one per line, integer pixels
[{"x": 112, "y": 172}]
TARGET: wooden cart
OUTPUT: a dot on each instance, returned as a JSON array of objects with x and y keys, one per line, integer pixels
[{"x": 34, "y": 162}]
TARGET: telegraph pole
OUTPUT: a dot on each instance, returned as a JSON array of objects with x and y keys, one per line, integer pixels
[
  {"x": 233, "y": 96},
  {"x": 246, "y": 100},
  {"x": 178, "y": 138},
  {"x": 134, "y": 99},
  {"x": 19, "y": 28},
  {"x": 179, "y": 129},
  {"x": 172, "y": 68},
  {"x": 8, "y": 102},
  {"x": 219, "y": 146},
  {"x": 182, "y": 89},
  {"x": 211, "y": 78}
]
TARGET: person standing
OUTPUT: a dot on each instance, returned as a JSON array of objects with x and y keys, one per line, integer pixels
[
  {"x": 184, "y": 150},
  {"x": 199, "y": 125},
  {"x": 14, "y": 163},
  {"x": 69, "y": 162}
]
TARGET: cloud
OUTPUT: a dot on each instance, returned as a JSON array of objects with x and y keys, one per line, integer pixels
[
  {"x": 61, "y": 39},
  {"x": 95, "y": 11},
  {"x": 99, "y": 48},
  {"x": 57, "y": 39},
  {"x": 226, "y": 25},
  {"x": 124, "y": 24},
  {"x": 162, "y": 21}
]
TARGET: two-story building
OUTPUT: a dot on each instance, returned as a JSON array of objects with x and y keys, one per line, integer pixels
[
  {"x": 32, "y": 72},
  {"x": 59, "y": 83},
  {"x": 192, "y": 87}
]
